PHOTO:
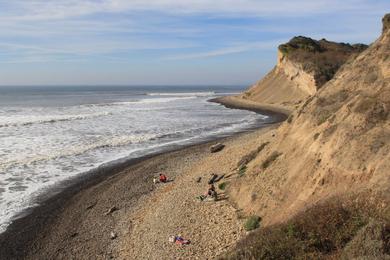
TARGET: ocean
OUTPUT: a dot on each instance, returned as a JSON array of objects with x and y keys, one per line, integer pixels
[{"x": 49, "y": 135}]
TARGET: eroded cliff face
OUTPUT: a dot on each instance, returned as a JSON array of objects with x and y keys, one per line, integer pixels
[
  {"x": 336, "y": 142},
  {"x": 296, "y": 73}
]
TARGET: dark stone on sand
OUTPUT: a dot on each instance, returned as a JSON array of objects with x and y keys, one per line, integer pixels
[
  {"x": 113, "y": 235},
  {"x": 74, "y": 234}
]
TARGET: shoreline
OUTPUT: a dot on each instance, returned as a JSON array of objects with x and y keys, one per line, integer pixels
[
  {"x": 23, "y": 234},
  {"x": 275, "y": 112}
]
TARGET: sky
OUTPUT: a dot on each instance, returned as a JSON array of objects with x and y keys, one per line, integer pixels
[{"x": 167, "y": 42}]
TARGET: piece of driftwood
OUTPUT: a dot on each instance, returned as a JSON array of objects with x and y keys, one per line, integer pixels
[
  {"x": 111, "y": 210},
  {"x": 219, "y": 178},
  {"x": 213, "y": 178},
  {"x": 91, "y": 206},
  {"x": 217, "y": 147}
]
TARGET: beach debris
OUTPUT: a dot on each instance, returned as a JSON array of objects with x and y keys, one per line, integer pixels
[
  {"x": 112, "y": 209},
  {"x": 155, "y": 180},
  {"x": 179, "y": 240},
  {"x": 213, "y": 178},
  {"x": 198, "y": 179},
  {"x": 201, "y": 197},
  {"x": 217, "y": 147},
  {"x": 113, "y": 235},
  {"x": 204, "y": 198},
  {"x": 219, "y": 178}
]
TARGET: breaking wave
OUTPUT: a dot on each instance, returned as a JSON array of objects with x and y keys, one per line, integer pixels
[
  {"x": 25, "y": 121},
  {"x": 194, "y": 94},
  {"x": 78, "y": 150}
]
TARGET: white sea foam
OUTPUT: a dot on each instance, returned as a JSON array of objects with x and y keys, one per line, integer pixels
[
  {"x": 164, "y": 100},
  {"x": 194, "y": 94},
  {"x": 21, "y": 120},
  {"x": 75, "y": 150},
  {"x": 140, "y": 101}
]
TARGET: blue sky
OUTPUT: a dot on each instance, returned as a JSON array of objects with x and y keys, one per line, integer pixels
[{"x": 154, "y": 42}]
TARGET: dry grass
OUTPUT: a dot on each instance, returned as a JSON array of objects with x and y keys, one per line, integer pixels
[
  {"x": 328, "y": 230},
  {"x": 323, "y": 116},
  {"x": 329, "y": 131},
  {"x": 252, "y": 155},
  {"x": 270, "y": 159},
  {"x": 290, "y": 119}
]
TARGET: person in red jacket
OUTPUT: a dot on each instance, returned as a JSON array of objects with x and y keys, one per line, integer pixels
[{"x": 163, "y": 178}]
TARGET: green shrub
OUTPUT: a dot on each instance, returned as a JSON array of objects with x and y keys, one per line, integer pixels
[
  {"x": 242, "y": 170},
  {"x": 252, "y": 223},
  {"x": 222, "y": 186}
]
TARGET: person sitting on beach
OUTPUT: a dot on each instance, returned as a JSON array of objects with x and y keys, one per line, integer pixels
[
  {"x": 211, "y": 192},
  {"x": 179, "y": 240},
  {"x": 163, "y": 178}
]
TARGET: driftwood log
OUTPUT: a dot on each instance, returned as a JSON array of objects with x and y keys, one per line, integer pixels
[{"x": 217, "y": 147}]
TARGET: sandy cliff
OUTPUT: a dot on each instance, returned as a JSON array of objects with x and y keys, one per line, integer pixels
[
  {"x": 336, "y": 144},
  {"x": 304, "y": 65},
  {"x": 337, "y": 141}
]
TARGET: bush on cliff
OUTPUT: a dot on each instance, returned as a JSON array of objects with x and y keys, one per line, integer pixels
[{"x": 331, "y": 229}]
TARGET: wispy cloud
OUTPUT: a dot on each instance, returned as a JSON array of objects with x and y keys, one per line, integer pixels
[{"x": 237, "y": 48}]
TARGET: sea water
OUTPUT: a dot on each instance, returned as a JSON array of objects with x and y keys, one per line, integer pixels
[{"x": 52, "y": 134}]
